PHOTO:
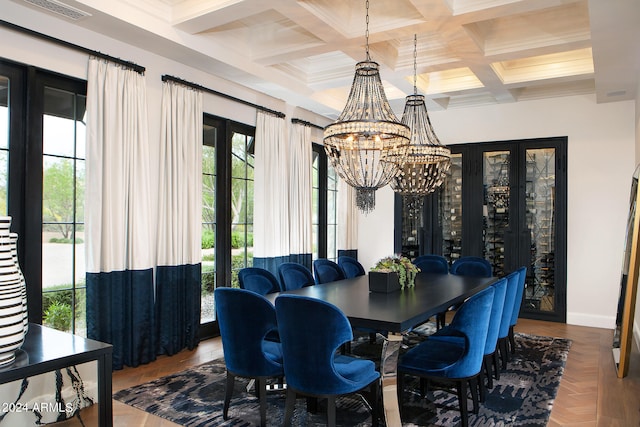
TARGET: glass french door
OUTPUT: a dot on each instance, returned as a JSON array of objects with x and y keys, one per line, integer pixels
[
  {"x": 540, "y": 229},
  {"x": 227, "y": 210},
  {"x": 506, "y": 202}
]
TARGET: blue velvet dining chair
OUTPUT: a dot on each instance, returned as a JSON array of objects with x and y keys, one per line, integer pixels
[
  {"x": 472, "y": 266},
  {"x": 326, "y": 271},
  {"x": 509, "y": 302},
  {"x": 312, "y": 331},
  {"x": 456, "y": 357},
  {"x": 294, "y": 276},
  {"x": 351, "y": 266},
  {"x": 432, "y": 263},
  {"x": 522, "y": 271},
  {"x": 490, "y": 366},
  {"x": 258, "y": 280},
  {"x": 247, "y": 352},
  {"x": 490, "y": 358}
]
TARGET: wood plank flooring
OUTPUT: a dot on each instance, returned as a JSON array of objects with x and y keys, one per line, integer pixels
[{"x": 590, "y": 393}]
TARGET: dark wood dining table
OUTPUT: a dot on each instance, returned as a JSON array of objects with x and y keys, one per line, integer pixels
[{"x": 394, "y": 313}]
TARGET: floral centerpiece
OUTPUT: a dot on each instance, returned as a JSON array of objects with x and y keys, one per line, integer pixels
[{"x": 406, "y": 270}]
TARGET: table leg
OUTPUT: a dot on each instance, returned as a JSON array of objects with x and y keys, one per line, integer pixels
[
  {"x": 105, "y": 409},
  {"x": 389, "y": 374}
]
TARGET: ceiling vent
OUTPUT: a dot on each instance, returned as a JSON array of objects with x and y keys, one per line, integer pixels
[{"x": 59, "y": 8}]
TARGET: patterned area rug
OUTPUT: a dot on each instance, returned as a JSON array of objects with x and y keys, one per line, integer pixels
[{"x": 522, "y": 397}]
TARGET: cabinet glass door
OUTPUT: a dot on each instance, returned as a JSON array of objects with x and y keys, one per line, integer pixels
[
  {"x": 495, "y": 208},
  {"x": 450, "y": 217},
  {"x": 540, "y": 198}
]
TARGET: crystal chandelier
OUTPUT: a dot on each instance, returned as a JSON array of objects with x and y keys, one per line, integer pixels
[
  {"x": 366, "y": 142},
  {"x": 426, "y": 163}
]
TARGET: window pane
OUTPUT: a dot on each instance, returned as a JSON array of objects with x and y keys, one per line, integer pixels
[
  {"x": 4, "y": 174},
  {"x": 80, "y": 186},
  {"x": 4, "y": 112},
  {"x": 209, "y": 158},
  {"x": 238, "y": 156},
  {"x": 4, "y": 143},
  {"x": 59, "y": 125},
  {"x": 58, "y": 200}
]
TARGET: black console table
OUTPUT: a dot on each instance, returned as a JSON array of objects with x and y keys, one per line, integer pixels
[{"x": 46, "y": 350}]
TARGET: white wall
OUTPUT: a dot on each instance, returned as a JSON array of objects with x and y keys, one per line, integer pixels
[{"x": 601, "y": 161}]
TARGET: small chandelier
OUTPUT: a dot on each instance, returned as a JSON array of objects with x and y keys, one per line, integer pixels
[
  {"x": 426, "y": 163},
  {"x": 366, "y": 142}
]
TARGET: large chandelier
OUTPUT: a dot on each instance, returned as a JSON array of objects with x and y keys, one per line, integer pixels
[
  {"x": 426, "y": 163},
  {"x": 366, "y": 142}
]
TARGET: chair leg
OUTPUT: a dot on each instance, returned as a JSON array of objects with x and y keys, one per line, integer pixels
[
  {"x": 496, "y": 365},
  {"x": 261, "y": 388},
  {"x": 486, "y": 362},
  {"x": 331, "y": 411},
  {"x": 512, "y": 340},
  {"x": 424, "y": 386},
  {"x": 441, "y": 320},
  {"x": 504, "y": 352},
  {"x": 228, "y": 391},
  {"x": 289, "y": 407},
  {"x": 474, "y": 388},
  {"x": 482, "y": 388},
  {"x": 462, "y": 401},
  {"x": 372, "y": 337}
]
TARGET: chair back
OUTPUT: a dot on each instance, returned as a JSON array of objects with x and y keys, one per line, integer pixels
[
  {"x": 294, "y": 276},
  {"x": 325, "y": 271},
  {"x": 245, "y": 318},
  {"x": 522, "y": 271},
  {"x": 500, "y": 288},
  {"x": 472, "y": 321},
  {"x": 258, "y": 280},
  {"x": 509, "y": 302},
  {"x": 472, "y": 266},
  {"x": 351, "y": 266},
  {"x": 311, "y": 332},
  {"x": 432, "y": 264}
]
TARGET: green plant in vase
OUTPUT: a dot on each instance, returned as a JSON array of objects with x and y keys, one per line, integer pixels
[{"x": 406, "y": 270}]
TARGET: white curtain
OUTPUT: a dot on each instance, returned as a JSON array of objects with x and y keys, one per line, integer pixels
[
  {"x": 118, "y": 243},
  {"x": 271, "y": 189},
  {"x": 178, "y": 273},
  {"x": 347, "y": 220},
  {"x": 301, "y": 191},
  {"x": 180, "y": 182}
]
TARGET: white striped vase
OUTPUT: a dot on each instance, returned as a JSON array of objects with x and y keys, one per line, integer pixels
[
  {"x": 14, "y": 254},
  {"x": 11, "y": 298}
]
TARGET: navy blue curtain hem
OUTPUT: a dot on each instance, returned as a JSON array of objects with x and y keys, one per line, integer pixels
[
  {"x": 120, "y": 311},
  {"x": 178, "y": 306}
]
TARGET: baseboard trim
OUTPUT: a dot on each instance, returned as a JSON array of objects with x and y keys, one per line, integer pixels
[{"x": 582, "y": 319}]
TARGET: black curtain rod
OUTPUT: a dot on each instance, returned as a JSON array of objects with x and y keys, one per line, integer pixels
[
  {"x": 167, "y": 78},
  {"x": 306, "y": 123},
  {"x": 135, "y": 67}
]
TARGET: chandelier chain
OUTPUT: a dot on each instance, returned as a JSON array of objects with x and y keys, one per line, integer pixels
[
  {"x": 366, "y": 33},
  {"x": 415, "y": 64}
]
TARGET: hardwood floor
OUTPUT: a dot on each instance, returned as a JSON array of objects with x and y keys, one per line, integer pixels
[{"x": 590, "y": 393}]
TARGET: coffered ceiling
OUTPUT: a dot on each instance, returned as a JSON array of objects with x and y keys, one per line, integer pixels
[{"x": 469, "y": 52}]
